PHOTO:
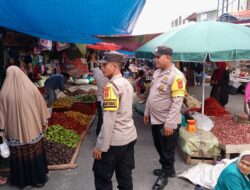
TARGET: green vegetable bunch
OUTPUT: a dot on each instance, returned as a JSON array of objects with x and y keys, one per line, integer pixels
[
  {"x": 87, "y": 98},
  {"x": 59, "y": 134}
]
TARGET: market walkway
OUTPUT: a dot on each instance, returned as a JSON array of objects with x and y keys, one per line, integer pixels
[{"x": 81, "y": 178}]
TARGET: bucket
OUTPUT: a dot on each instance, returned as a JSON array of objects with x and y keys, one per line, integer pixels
[{"x": 191, "y": 125}]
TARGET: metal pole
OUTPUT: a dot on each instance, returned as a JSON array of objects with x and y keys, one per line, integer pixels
[
  {"x": 203, "y": 109},
  {"x": 203, "y": 88}
]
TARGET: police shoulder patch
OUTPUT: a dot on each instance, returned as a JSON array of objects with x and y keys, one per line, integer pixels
[
  {"x": 110, "y": 103},
  {"x": 178, "y": 87},
  {"x": 110, "y": 99},
  {"x": 180, "y": 83}
]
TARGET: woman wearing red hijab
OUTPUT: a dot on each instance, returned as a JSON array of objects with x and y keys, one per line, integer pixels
[{"x": 220, "y": 83}]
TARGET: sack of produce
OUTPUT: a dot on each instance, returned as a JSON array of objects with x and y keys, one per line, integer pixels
[{"x": 192, "y": 103}]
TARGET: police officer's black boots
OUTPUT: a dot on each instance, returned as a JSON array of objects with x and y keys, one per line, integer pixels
[
  {"x": 172, "y": 173},
  {"x": 160, "y": 183}
]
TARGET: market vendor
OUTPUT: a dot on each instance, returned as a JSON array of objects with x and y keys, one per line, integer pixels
[
  {"x": 225, "y": 175},
  {"x": 220, "y": 83},
  {"x": 236, "y": 175},
  {"x": 53, "y": 83}
]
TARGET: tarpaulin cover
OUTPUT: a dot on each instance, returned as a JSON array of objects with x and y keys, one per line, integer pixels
[
  {"x": 72, "y": 21},
  {"x": 128, "y": 42},
  {"x": 104, "y": 46}
]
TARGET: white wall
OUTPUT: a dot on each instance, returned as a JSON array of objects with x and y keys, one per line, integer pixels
[{"x": 211, "y": 15}]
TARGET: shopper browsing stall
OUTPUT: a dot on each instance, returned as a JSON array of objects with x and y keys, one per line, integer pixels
[
  {"x": 53, "y": 83},
  {"x": 23, "y": 116}
]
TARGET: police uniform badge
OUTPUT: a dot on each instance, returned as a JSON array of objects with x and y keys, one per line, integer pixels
[
  {"x": 161, "y": 88},
  {"x": 110, "y": 99},
  {"x": 178, "y": 87},
  {"x": 164, "y": 80}
]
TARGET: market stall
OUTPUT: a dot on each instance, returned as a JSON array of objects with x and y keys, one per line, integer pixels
[
  {"x": 202, "y": 42},
  {"x": 216, "y": 134},
  {"x": 234, "y": 137},
  {"x": 239, "y": 76},
  {"x": 71, "y": 118}
]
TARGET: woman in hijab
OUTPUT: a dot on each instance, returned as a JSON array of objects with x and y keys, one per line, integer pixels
[
  {"x": 23, "y": 116},
  {"x": 220, "y": 83},
  {"x": 236, "y": 176}
]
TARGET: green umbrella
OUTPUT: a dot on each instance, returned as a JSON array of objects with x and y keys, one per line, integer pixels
[{"x": 194, "y": 42}]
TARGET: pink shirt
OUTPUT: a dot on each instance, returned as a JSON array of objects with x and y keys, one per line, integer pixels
[{"x": 247, "y": 93}]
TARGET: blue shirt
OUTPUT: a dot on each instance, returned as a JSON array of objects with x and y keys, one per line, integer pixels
[
  {"x": 55, "y": 82},
  {"x": 232, "y": 179}
]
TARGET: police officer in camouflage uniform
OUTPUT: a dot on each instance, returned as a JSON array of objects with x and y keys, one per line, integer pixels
[
  {"x": 163, "y": 107},
  {"x": 114, "y": 149}
]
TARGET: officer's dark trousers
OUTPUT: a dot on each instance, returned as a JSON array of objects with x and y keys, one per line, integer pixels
[
  {"x": 119, "y": 159},
  {"x": 100, "y": 117},
  {"x": 165, "y": 146}
]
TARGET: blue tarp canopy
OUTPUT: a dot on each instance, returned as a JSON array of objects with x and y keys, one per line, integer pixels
[{"x": 74, "y": 21}]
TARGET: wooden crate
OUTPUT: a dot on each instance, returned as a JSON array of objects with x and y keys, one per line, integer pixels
[
  {"x": 230, "y": 149},
  {"x": 196, "y": 158}
]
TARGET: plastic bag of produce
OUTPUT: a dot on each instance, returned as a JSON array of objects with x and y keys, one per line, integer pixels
[
  {"x": 4, "y": 148},
  {"x": 204, "y": 123}
]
